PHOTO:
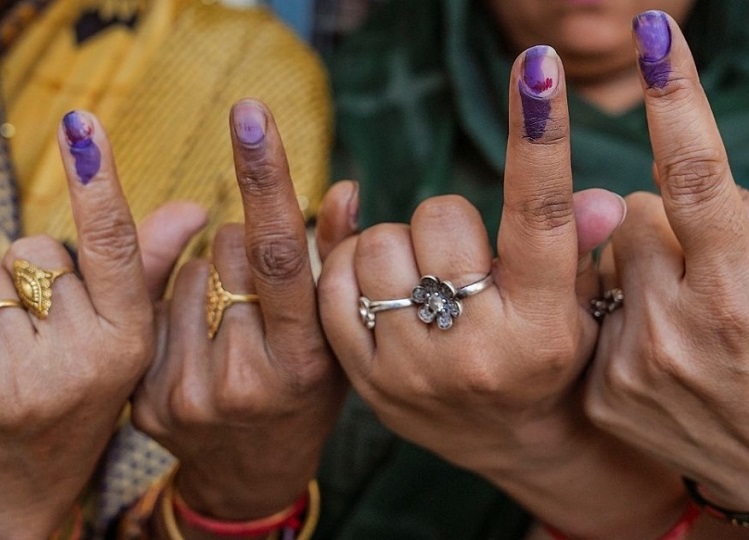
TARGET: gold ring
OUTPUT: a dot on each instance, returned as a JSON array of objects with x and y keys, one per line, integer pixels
[
  {"x": 34, "y": 286},
  {"x": 10, "y": 302},
  {"x": 218, "y": 299}
]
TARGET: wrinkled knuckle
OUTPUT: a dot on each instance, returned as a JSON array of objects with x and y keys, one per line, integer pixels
[
  {"x": 278, "y": 257},
  {"x": 695, "y": 176},
  {"x": 109, "y": 235},
  {"x": 547, "y": 212},
  {"x": 259, "y": 173}
]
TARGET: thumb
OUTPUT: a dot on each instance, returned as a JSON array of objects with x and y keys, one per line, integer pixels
[
  {"x": 338, "y": 216},
  {"x": 163, "y": 235},
  {"x": 598, "y": 213}
]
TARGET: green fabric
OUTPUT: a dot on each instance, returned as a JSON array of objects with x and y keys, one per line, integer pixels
[{"x": 421, "y": 94}]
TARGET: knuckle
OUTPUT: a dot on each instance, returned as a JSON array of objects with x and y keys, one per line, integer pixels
[
  {"x": 442, "y": 209},
  {"x": 187, "y": 408},
  {"x": 111, "y": 235},
  {"x": 377, "y": 244},
  {"x": 260, "y": 173},
  {"x": 547, "y": 212},
  {"x": 278, "y": 256},
  {"x": 695, "y": 175}
]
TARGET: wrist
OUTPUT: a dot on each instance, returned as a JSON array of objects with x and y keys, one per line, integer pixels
[{"x": 180, "y": 522}]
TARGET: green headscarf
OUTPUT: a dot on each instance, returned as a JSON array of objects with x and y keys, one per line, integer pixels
[{"x": 422, "y": 93}]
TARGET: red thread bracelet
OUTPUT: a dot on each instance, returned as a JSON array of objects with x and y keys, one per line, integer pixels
[
  {"x": 677, "y": 532},
  {"x": 290, "y": 517}
]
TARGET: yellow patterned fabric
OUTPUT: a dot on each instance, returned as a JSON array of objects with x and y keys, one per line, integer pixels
[
  {"x": 163, "y": 88},
  {"x": 163, "y": 91}
]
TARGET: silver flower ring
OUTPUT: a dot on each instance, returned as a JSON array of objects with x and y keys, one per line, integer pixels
[{"x": 439, "y": 301}]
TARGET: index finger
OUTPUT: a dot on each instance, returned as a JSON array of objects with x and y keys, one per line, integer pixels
[
  {"x": 275, "y": 236},
  {"x": 108, "y": 252},
  {"x": 699, "y": 194}
]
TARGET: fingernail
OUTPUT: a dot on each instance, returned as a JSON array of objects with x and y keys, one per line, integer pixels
[
  {"x": 624, "y": 208},
  {"x": 653, "y": 36},
  {"x": 79, "y": 132},
  {"x": 539, "y": 83},
  {"x": 249, "y": 123},
  {"x": 353, "y": 207}
]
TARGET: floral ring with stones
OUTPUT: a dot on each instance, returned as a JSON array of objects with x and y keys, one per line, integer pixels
[{"x": 439, "y": 301}]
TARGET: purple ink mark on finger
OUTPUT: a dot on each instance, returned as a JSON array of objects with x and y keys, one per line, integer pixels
[
  {"x": 78, "y": 133},
  {"x": 537, "y": 86},
  {"x": 653, "y": 35},
  {"x": 249, "y": 123}
]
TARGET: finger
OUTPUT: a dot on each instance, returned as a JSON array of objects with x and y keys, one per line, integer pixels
[
  {"x": 108, "y": 253},
  {"x": 68, "y": 302},
  {"x": 699, "y": 194},
  {"x": 242, "y": 319},
  {"x": 276, "y": 243},
  {"x": 338, "y": 217},
  {"x": 646, "y": 252},
  {"x": 537, "y": 242},
  {"x": 163, "y": 235},
  {"x": 16, "y": 327},
  {"x": 597, "y": 213},
  {"x": 450, "y": 242},
  {"x": 338, "y": 290},
  {"x": 386, "y": 269}
]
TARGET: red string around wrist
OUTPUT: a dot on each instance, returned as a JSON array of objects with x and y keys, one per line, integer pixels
[
  {"x": 677, "y": 532},
  {"x": 290, "y": 517}
]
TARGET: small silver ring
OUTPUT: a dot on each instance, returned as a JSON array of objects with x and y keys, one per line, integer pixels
[
  {"x": 439, "y": 301},
  {"x": 611, "y": 300},
  {"x": 368, "y": 308}
]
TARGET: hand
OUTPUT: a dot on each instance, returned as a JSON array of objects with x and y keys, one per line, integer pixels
[
  {"x": 499, "y": 393},
  {"x": 66, "y": 378},
  {"x": 247, "y": 412},
  {"x": 671, "y": 373}
]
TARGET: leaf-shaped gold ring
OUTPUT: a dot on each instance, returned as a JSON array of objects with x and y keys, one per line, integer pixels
[
  {"x": 218, "y": 299},
  {"x": 34, "y": 286}
]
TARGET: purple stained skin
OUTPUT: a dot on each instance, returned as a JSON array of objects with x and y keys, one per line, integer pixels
[
  {"x": 535, "y": 88},
  {"x": 654, "y": 45},
  {"x": 78, "y": 133},
  {"x": 249, "y": 123}
]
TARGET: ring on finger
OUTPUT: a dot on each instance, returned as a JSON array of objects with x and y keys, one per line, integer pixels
[
  {"x": 611, "y": 300},
  {"x": 218, "y": 299},
  {"x": 11, "y": 302},
  {"x": 34, "y": 286},
  {"x": 439, "y": 301}
]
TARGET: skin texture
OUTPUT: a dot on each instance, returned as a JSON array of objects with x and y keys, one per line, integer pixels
[
  {"x": 471, "y": 381},
  {"x": 672, "y": 363},
  {"x": 262, "y": 396},
  {"x": 59, "y": 396}
]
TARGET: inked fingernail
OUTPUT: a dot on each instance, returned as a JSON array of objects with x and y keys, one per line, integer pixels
[
  {"x": 79, "y": 135},
  {"x": 653, "y": 36},
  {"x": 249, "y": 123},
  {"x": 540, "y": 79}
]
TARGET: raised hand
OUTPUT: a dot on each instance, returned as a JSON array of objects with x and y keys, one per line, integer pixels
[
  {"x": 498, "y": 391},
  {"x": 247, "y": 411},
  {"x": 67, "y": 374},
  {"x": 672, "y": 369}
]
